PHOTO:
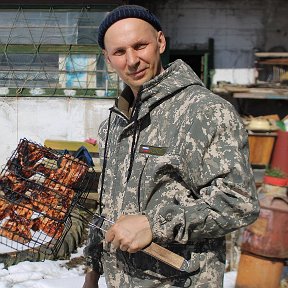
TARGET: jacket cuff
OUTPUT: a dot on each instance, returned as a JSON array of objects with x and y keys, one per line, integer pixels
[
  {"x": 93, "y": 252},
  {"x": 94, "y": 262},
  {"x": 166, "y": 223}
]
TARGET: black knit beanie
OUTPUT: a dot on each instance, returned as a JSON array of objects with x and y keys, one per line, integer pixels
[{"x": 126, "y": 11}]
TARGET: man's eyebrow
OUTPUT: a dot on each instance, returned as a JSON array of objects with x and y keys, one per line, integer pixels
[
  {"x": 120, "y": 48},
  {"x": 140, "y": 41}
]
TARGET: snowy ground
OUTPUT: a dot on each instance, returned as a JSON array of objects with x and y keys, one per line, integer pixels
[{"x": 55, "y": 274}]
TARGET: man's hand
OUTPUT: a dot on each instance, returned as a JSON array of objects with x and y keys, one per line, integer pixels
[
  {"x": 130, "y": 233},
  {"x": 91, "y": 280}
]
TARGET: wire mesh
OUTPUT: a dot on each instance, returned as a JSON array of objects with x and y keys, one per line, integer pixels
[
  {"x": 39, "y": 187},
  {"x": 35, "y": 51}
]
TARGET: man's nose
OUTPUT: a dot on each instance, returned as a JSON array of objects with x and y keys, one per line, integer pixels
[{"x": 132, "y": 57}]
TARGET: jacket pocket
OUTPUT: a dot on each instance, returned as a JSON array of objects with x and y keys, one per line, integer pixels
[{"x": 155, "y": 171}]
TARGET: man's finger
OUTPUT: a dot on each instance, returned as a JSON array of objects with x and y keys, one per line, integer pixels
[{"x": 124, "y": 247}]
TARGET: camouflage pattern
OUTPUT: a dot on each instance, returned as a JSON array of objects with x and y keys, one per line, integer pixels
[{"x": 190, "y": 176}]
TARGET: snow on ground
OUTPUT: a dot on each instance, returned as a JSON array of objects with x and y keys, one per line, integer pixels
[{"x": 55, "y": 274}]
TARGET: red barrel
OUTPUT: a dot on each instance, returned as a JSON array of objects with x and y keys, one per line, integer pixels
[
  {"x": 268, "y": 235},
  {"x": 280, "y": 152}
]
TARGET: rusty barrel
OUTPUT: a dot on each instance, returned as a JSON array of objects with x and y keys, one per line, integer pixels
[
  {"x": 268, "y": 235},
  {"x": 264, "y": 246},
  {"x": 258, "y": 272}
]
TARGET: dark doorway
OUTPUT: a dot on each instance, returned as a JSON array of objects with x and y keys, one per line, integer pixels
[{"x": 194, "y": 61}]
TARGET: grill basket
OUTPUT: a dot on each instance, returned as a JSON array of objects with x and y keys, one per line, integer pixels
[{"x": 39, "y": 187}]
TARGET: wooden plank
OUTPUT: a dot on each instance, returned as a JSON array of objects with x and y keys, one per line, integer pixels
[
  {"x": 271, "y": 54},
  {"x": 274, "y": 61},
  {"x": 61, "y": 145},
  {"x": 97, "y": 165},
  {"x": 61, "y": 92},
  {"x": 70, "y": 145},
  {"x": 50, "y": 49},
  {"x": 261, "y": 96}
]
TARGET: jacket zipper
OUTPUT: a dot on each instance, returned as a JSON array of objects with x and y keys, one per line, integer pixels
[{"x": 139, "y": 185}]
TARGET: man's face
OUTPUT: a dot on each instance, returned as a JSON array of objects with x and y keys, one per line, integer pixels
[{"x": 133, "y": 48}]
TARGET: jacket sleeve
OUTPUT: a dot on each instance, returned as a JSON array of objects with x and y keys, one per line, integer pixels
[
  {"x": 216, "y": 193},
  {"x": 94, "y": 248},
  {"x": 93, "y": 251}
]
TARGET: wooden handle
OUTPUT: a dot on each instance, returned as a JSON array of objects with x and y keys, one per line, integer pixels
[{"x": 166, "y": 256}]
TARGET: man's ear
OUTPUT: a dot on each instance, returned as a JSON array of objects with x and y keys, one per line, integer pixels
[
  {"x": 108, "y": 62},
  {"x": 106, "y": 56},
  {"x": 161, "y": 42}
]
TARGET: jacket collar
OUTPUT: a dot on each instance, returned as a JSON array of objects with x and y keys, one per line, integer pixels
[
  {"x": 175, "y": 77},
  {"x": 125, "y": 101}
]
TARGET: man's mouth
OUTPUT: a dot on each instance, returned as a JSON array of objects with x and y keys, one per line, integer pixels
[{"x": 138, "y": 74}]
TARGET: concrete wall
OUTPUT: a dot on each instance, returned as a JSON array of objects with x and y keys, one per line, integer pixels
[
  {"x": 238, "y": 27},
  {"x": 38, "y": 119}
]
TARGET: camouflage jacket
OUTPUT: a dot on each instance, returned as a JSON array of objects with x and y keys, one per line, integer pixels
[{"x": 181, "y": 158}]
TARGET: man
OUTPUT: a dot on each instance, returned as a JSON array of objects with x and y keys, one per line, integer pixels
[{"x": 175, "y": 166}]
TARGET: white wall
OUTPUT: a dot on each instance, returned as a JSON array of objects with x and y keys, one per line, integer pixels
[
  {"x": 237, "y": 27},
  {"x": 38, "y": 118}
]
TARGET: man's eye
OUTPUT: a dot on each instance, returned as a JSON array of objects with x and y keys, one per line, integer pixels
[
  {"x": 119, "y": 52},
  {"x": 140, "y": 46}
]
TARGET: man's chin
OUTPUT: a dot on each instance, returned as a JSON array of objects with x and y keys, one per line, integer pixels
[
  {"x": 137, "y": 84},
  {"x": 142, "y": 80}
]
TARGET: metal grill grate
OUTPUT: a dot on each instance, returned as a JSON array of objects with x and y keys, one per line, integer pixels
[{"x": 39, "y": 189}]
